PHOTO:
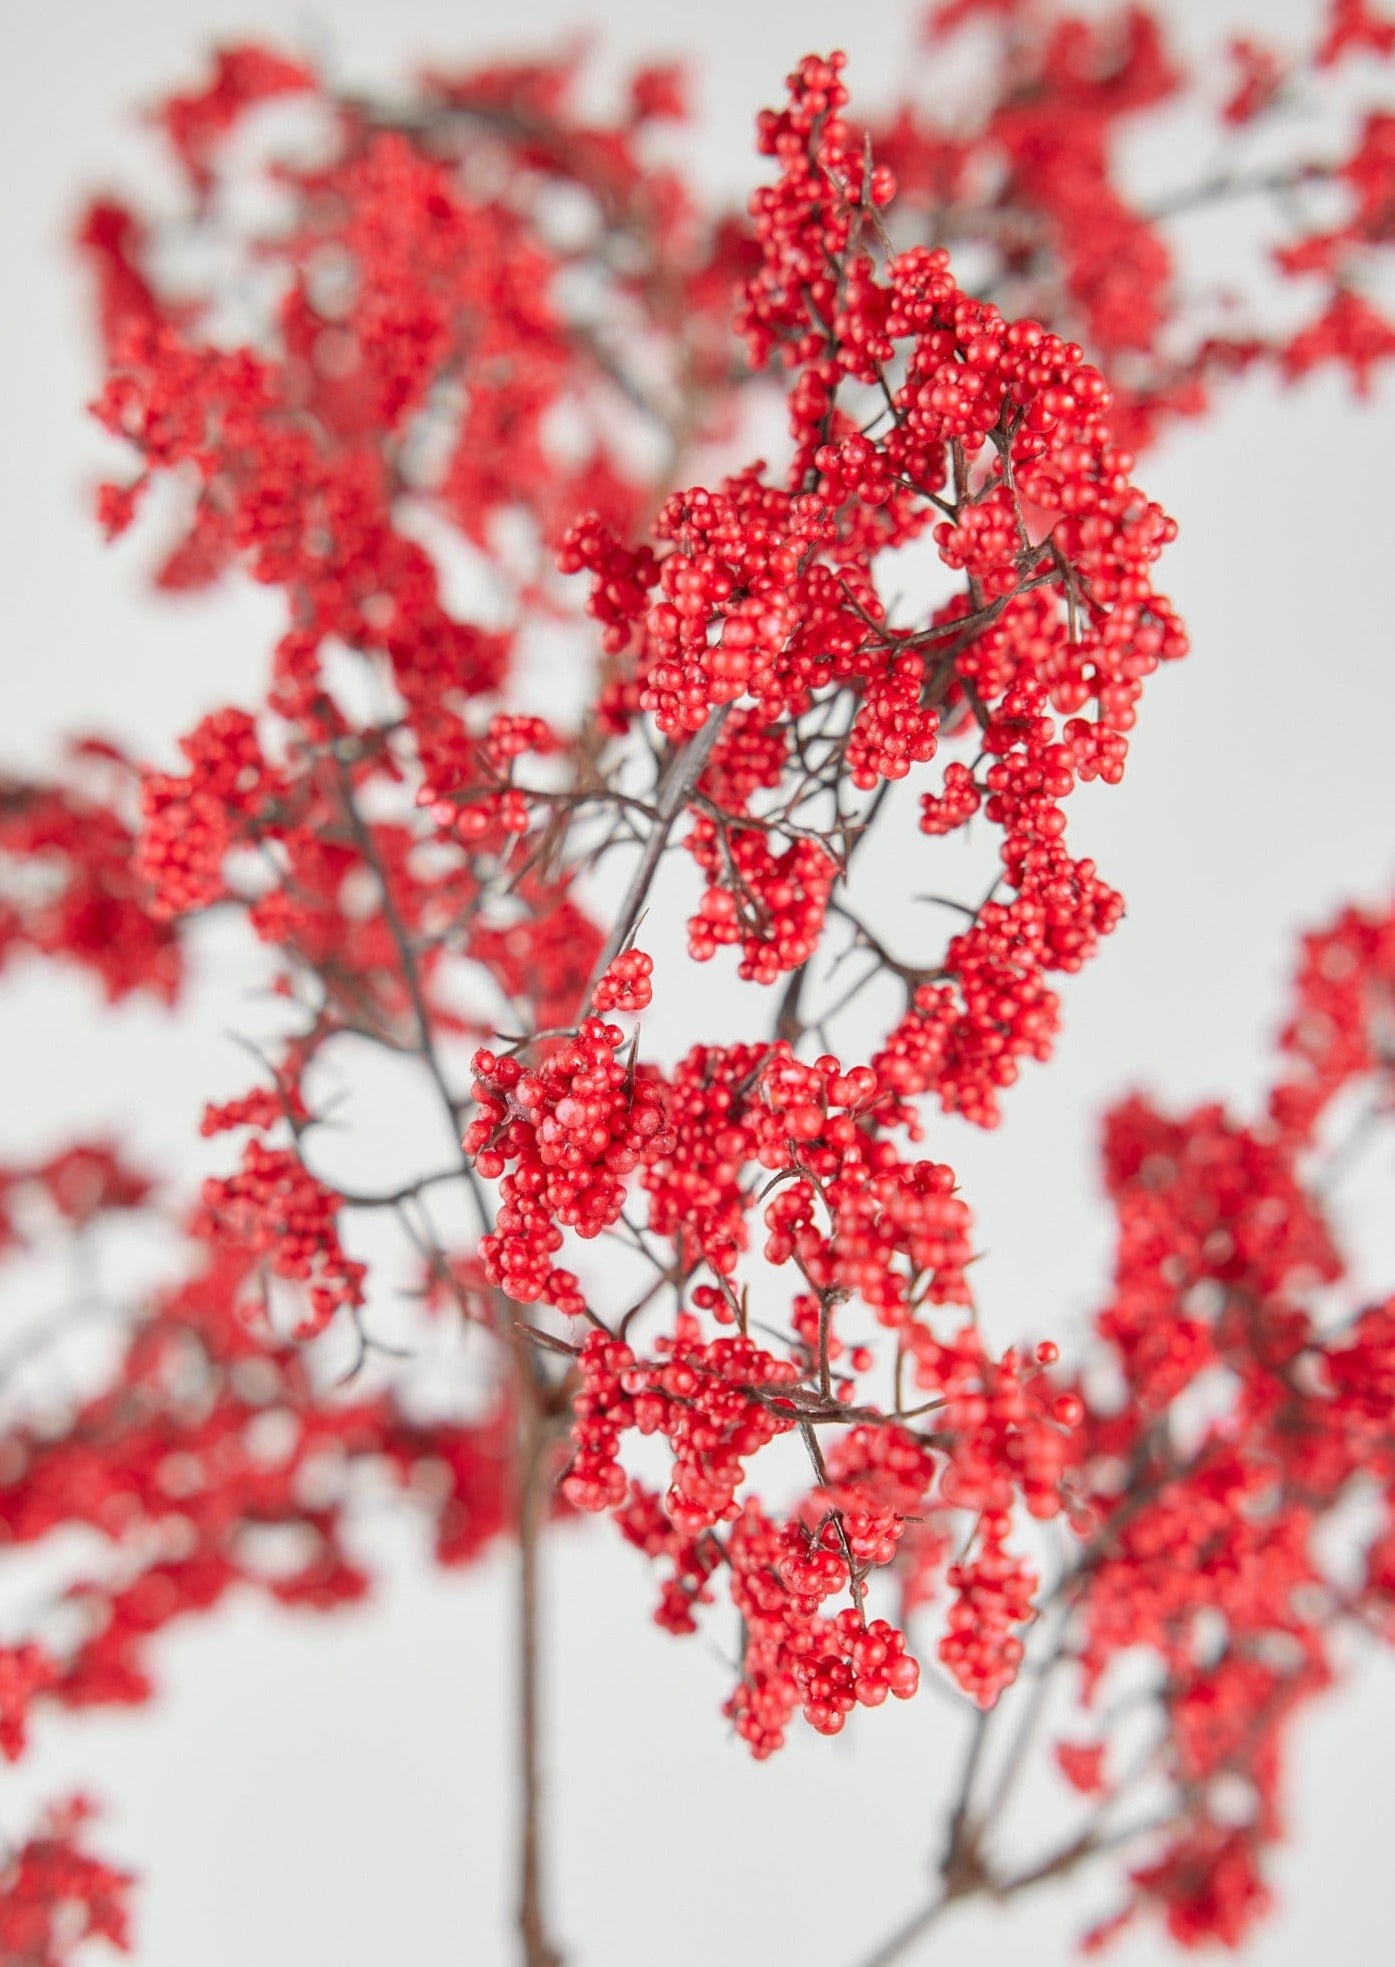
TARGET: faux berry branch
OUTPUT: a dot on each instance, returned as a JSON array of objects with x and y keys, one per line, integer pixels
[{"x": 492, "y": 332}]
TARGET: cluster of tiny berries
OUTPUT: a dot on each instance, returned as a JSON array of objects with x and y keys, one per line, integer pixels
[{"x": 502, "y": 319}]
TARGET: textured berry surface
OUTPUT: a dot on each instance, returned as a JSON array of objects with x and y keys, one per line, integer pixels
[{"x": 724, "y": 1290}]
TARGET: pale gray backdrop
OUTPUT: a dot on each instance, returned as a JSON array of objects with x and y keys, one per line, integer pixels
[{"x": 338, "y": 1793}]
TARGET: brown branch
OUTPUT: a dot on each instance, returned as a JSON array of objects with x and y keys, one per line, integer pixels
[
  {"x": 681, "y": 774},
  {"x": 534, "y": 1485}
]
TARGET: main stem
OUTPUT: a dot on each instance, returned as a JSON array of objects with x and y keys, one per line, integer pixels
[
  {"x": 681, "y": 773},
  {"x": 539, "y": 1950},
  {"x": 532, "y": 1466},
  {"x": 896, "y": 1944}
]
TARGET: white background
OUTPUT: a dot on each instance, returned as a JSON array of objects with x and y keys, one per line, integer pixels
[{"x": 339, "y": 1792}]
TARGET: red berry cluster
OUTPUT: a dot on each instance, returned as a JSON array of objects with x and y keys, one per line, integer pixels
[
  {"x": 275, "y": 1207},
  {"x": 26, "y": 1672},
  {"x": 771, "y": 904},
  {"x": 717, "y": 1404},
  {"x": 993, "y": 1593},
  {"x": 69, "y": 888},
  {"x": 570, "y": 1130},
  {"x": 626, "y": 985},
  {"x": 192, "y": 821},
  {"x": 54, "y": 1894},
  {"x": 491, "y": 332},
  {"x": 893, "y": 729},
  {"x": 795, "y": 1655},
  {"x": 212, "y": 1441}
]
